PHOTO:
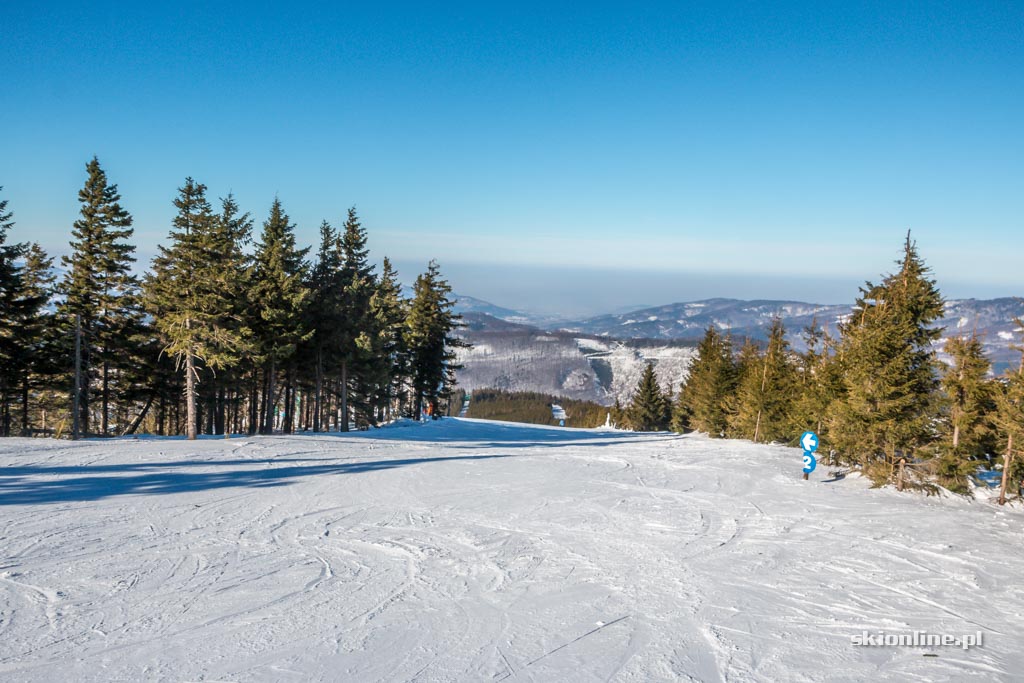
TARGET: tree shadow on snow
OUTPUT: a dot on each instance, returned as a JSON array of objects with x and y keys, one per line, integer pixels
[
  {"x": 35, "y": 485},
  {"x": 477, "y": 434}
]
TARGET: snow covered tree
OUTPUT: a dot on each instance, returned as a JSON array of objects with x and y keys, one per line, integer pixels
[
  {"x": 280, "y": 295},
  {"x": 890, "y": 405},
  {"x": 430, "y": 328},
  {"x": 100, "y": 290},
  {"x": 701, "y": 404},
  {"x": 649, "y": 410}
]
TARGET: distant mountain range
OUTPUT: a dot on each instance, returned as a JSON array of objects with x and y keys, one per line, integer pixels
[
  {"x": 516, "y": 357},
  {"x": 687, "y": 321}
]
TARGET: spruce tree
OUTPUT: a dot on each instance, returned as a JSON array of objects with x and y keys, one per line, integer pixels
[
  {"x": 324, "y": 313},
  {"x": 1009, "y": 418},
  {"x": 970, "y": 402},
  {"x": 890, "y": 406},
  {"x": 231, "y": 233},
  {"x": 765, "y": 391},
  {"x": 702, "y": 401},
  {"x": 11, "y": 308},
  {"x": 32, "y": 362},
  {"x": 280, "y": 294},
  {"x": 357, "y": 285},
  {"x": 100, "y": 290},
  {"x": 388, "y": 310},
  {"x": 9, "y": 273},
  {"x": 430, "y": 329},
  {"x": 26, "y": 281},
  {"x": 185, "y": 296},
  {"x": 649, "y": 409},
  {"x": 740, "y": 407},
  {"x": 819, "y": 383}
]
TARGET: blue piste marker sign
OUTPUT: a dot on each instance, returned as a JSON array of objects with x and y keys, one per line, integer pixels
[
  {"x": 809, "y": 442},
  {"x": 809, "y": 462}
]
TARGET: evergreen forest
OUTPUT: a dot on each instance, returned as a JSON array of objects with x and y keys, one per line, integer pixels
[{"x": 233, "y": 327}]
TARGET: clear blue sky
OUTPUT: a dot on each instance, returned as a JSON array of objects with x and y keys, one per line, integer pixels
[{"x": 577, "y": 156}]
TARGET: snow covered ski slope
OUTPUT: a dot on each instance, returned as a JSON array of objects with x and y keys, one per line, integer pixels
[{"x": 475, "y": 551}]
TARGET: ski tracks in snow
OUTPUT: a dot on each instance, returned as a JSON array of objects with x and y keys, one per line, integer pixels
[{"x": 466, "y": 550}]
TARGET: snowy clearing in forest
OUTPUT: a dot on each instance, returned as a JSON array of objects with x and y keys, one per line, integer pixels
[{"x": 477, "y": 551}]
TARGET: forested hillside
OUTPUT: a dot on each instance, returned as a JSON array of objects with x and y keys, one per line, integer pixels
[{"x": 534, "y": 408}]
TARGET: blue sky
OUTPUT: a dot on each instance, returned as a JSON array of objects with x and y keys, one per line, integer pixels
[{"x": 576, "y": 157}]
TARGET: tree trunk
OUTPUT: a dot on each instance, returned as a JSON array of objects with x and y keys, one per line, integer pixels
[
  {"x": 253, "y": 402},
  {"x": 105, "y": 419},
  {"x": 161, "y": 418},
  {"x": 220, "y": 421},
  {"x": 344, "y": 396},
  {"x": 764, "y": 384},
  {"x": 138, "y": 420},
  {"x": 289, "y": 403},
  {"x": 76, "y": 391},
  {"x": 318, "y": 390},
  {"x": 190, "y": 394},
  {"x": 1007, "y": 459},
  {"x": 271, "y": 402},
  {"x": 24, "y": 405}
]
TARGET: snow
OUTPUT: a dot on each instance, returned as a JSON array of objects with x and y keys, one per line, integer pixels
[{"x": 471, "y": 550}]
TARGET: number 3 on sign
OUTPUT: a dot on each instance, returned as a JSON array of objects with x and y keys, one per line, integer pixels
[{"x": 809, "y": 463}]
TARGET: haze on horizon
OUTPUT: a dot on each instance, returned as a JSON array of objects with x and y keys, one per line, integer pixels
[{"x": 552, "y": 159}]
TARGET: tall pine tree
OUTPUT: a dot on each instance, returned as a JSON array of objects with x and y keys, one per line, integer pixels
[
  {"x": 388, "y": 310},
  {"x": 701, "y": 403},
  {"x": 819, "y": 381},
  {"x": 430, "y": 335},
  {"x": 1009, "y": 418},
  {"x": 355, "y": 347},
  {"x": 280, "y": 295},
  {"x": 32, "y": 362},
  {"x": 969, "y": 398},
  {"x": 649, "y": 410},
  {"x": 766, "y": 391},
  {"x": 16, "y": 309},
  {"x": 324, "y": 314},
  {"x": 890, "y": 407},
  {"x": 185, "y": 293},
  {"x": 100, "y": 290}
]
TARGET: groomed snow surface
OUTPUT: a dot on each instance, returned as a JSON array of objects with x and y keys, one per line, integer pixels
[{"x": 466, "y": 550}]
